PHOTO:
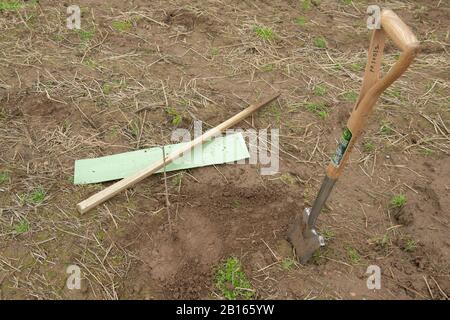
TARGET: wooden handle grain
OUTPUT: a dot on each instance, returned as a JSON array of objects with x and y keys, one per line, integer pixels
[
  {"x": 406, "y": 41},
  {"x": 398, "y": 31},
  {"x": 128, "y": 182}
]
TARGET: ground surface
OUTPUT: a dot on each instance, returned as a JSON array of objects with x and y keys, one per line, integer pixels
[{"x": 66, "y": 95}]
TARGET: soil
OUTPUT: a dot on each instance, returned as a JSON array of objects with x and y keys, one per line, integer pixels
[{"x": 66, "y": 95}]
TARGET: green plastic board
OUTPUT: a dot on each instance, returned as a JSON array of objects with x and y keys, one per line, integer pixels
[{"x": 223, "y": 149}]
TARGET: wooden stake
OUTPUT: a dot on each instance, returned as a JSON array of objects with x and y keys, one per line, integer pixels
[{"x": 128, "y": 182}]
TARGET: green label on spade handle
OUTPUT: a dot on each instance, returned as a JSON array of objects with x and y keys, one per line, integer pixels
[{"x": 342, "y": 146}]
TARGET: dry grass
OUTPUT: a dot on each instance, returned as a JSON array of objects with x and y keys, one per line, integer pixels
[{"x": 106, "y": 90}]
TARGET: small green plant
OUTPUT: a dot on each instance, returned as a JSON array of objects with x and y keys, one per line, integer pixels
[
  {"x": 4, "y": 177},
  {"x": 287, "y": 263},
  {"x": 106, "y": 88},
  {"x": 338, "y": 67},
  {"x": 37, "y": 196},
  {"x": 133, "y": 129},
  {"x": 320, "y": 42},
  {"x": 320, "y": 90},
  {"x": 22, "y": 227},
  {"x": 328, "y": 234},
  {"x": 272, "y": 112},
  {"x": 2, "y": 114},
  {"x": 351, "y": 96},
  {"x": 356, "y": 67},
  {"x": 410, "y": 245},
  {"x": 383, "y": 241},
  {"x": 214, "y": 51},
  {"x": 122, "y": 26},
  {"x": 398, "y": 200},
  {"x": 267, "y": 67},
  {"x": 236, "y": 204},
  {"x": 386, "y": 129},
  {"x": 288, "y": 178},
  {"x": 306, "y": 4},
  {"x": 368, "y": 146},
  {"x": 353, "y": 255},
  {"x": 16, "y": 5},
  {"x": 264, "y": 33},
  {"x": 300, "y": 21},
  {"x": 90, "y": 63},
  {"x": 11, "y": 5},
  {"x": 85, "y": 36},
  {"x": 232, "y": 281},
  {"x": 395, "y": 93},
  {"x": 319, "y": 257},
  {"x": 427, "y": 151},
  {"x": 319, "y": 108},
  {"x": 176, "y": 118},
  {"x": 347, "y": 2}
]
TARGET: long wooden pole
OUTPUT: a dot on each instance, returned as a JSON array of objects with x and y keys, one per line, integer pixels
[{"x": 128, "y": 182}]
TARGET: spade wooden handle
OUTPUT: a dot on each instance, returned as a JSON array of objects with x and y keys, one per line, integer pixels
[
  {"x": 405, "y": 40},
  {"x": 398, "y": 31}
]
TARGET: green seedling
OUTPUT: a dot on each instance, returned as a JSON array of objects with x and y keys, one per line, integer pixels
[
  {"x": 288, "y": 178},
  {"x": 327, "y": 234},
  {"x": 398, "y": 201},
  {"x": 383, "y": 241},
  {"x": 320, "y": 90},
  {"x": 287, "y": 263},
  {"x": 300, "y": 21},
  {"x": 338, "y": 67},
  {"x": 176, "y": 118},
  {"x": 427, "y": 151},
  {"x": 394, "y": 92},
  {"x": 306, "y": 4},
  {"x": 11, "y": 5},
  {"x": 122, "y": 26},
  {"x": 106, "y": 88},
  {"x": 4, "y": 177},
  {"x": 90, "y": 63},
  {"x": 134, "y": 129},
  {"x": 15, "y": 5},
  {"x": 264, "y": 33},
  {"x": 236, "y": 204},
  {"x": 232, "y": 281},
  {"x": 319, "y": 108},
  {"x": 351, "y": 96},
  {"x": 2, "y": 114},
  {"x": 22, "y": 227},
  {"x": 85, "y": 36},
  {"x": 353, "y": 255},
  {"x": 267, "y": 67},
  {"x": 368, "y": 146},
  {"x": 410, "y": 245},
  {"x": 320, "y": 42},
  {"x": 356, "y": 67},
  {"x": 214, "y": 51},
  {"x": 272, "y": 112},
  {"x": 386, "y": 129},
  {"x": 37, "y": 196}
]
